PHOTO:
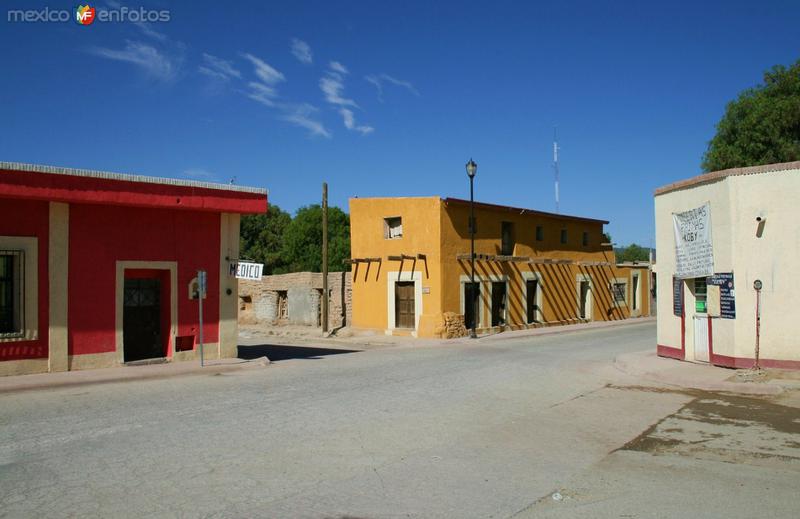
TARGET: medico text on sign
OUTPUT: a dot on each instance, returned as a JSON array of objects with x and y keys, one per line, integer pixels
[{"x": 246, "y": 270}]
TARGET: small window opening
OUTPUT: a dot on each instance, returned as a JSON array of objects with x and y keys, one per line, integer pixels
[{"x": 393, "y": 228}]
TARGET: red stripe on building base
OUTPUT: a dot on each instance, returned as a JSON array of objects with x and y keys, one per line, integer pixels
[
  {"x": 743, "y": 362},
  {"x": 669, "y": 351}
]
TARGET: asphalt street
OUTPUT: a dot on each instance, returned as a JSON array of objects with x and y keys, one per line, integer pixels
[{"x": 529, "y": 427}]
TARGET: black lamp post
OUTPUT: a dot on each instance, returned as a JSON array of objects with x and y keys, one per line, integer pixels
[{"x": 472, "y": 168}]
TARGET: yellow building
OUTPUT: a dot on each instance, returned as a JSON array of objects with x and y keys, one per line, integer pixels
[{"x": 410, "y": 266}]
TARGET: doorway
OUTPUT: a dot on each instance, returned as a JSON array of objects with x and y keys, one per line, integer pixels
[
  {"x": 498, "y": 303},
  {"x": 404, "y": 305},
  {"x": 531, "y": 288},
  {"x": 700, "y": 319},
  {"x": 584, "y": 301},
  {"x": 472, "y": 295},
  {"x": 141, "y": 319}
]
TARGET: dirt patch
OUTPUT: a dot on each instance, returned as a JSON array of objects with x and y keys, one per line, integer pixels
[{"x": 725, "y": 427}]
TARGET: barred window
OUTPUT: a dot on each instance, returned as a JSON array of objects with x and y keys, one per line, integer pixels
[
  {"x": 619, "y": 290},
  {"x": 12, "y": 290}
]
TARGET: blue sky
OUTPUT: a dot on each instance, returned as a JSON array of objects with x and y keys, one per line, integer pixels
[{"x": 392, "y": 98}]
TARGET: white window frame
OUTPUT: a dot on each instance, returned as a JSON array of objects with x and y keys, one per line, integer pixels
[
  {"x": 498, "y": 279},
  {"x": 536, "y": 276},
  {"x": 590, "y": 306},
  {"x": 462, "y": 281},
  {"x": 627, "y": 284},
  {"x": 391, "y": 279},
  {"x": 636, "y": 298},
  {"x": 28, "y": 299}
]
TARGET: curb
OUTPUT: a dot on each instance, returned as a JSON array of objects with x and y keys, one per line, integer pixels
[
  {"x": 568, "y": 328},
  {"x": 630, "y": 365},
  {"x": 66, "y": 379}
]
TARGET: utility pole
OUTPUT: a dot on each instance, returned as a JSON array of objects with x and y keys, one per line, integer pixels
[{"x": 324, "y": 301}]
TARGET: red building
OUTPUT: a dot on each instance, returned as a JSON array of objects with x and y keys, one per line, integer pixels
[{"x": 98, "y": 269}]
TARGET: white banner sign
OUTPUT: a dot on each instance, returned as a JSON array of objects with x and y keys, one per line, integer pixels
[
  {"x": 694, "y": 254},
  {"x": 246, "y": 270}
]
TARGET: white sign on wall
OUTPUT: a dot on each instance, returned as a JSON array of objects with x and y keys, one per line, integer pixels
[
  {"x": 694, "y": 254},
  {"x": 246, "y": 270}
]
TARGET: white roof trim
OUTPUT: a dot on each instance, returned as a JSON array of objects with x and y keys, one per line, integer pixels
[{"x": 37, "y": 168}]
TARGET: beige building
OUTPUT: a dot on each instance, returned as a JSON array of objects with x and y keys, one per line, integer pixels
[
  {"x": 295, "y": 299},
  {"x": 742, "y": 224}
]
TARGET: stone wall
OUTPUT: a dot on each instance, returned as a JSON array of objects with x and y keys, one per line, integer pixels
[
  {"x": 452, "y": 326},
  {"x": 259, "y": 301}
]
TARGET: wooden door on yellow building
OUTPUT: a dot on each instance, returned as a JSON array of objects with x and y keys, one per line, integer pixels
[{"x": 404, "y": 304}]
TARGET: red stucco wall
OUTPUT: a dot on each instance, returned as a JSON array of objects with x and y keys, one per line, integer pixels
[
  {"x": 101, "y": 235},
  {"x": 77, "y": 189},
  {"x": 29, "y": 218}
]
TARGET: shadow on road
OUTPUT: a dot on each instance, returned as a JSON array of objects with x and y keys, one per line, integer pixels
[{"x": 276, "y": 352}]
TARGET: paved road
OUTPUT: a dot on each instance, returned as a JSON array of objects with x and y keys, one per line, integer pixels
[{"x": 486, "y": 429}]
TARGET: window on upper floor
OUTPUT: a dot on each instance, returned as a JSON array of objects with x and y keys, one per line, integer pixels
[
  {"x": 585, "y": 239},
  {"x": 539, "y": 233},
  {"x": 563, "y": 236},
  {"x": 392, "y": 227},
  {"x": 507, "y": 235}
]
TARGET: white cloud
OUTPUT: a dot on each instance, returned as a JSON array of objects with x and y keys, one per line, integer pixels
[
  {"x": 264, "y": 71},
  {"x": 265, "y": 92},
  {"x": 301, "y": 51},
  {"x": 147, "y": 30},
  {"x": 301, "y": 115},
  {"x": 149, "y": 59},
  {"x": 262, "y": 93},
  {"x": 377, "y": 82},
  {"x": 218, "y": 68},
  {"x": 333, "y": 88},
  {"x": 380, "y": 79},
  {"x": 332, "y": 85},
  {"x": 338, "y": 67},
  {"x": 401, "y": 83},
  {"x": 350, "y": 122}
]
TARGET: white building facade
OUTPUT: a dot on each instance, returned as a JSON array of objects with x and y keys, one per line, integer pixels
[{"x": 719, "y": 236}]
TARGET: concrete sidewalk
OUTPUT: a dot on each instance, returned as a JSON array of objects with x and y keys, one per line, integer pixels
[
  {"x": 556, "y": 329},
  {"x": 126, "y": 373},
  {"x": 649, "y": 366}
]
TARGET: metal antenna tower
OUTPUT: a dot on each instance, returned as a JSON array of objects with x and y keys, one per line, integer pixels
[{"x": 555, "y": 163}]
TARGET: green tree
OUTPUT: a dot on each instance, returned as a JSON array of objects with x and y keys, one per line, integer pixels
[
  {"x": 262, "y": 238},
  {"x": 302, "y": 244},
  {"x": 633, "y": 252},
  {"x": 762, "y": 126}
]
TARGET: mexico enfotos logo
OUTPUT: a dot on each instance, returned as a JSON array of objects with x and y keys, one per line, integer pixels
[{"x": 85, "y": 14}]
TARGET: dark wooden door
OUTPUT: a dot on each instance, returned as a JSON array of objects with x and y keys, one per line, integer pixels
[
  {"x": 498, "y": 303},
  {"x": 531, "y": 287},
  {"x": 404, "y": 304},
  {"x": 141, "y": 319},
  {"x": 472, "y": 294}
]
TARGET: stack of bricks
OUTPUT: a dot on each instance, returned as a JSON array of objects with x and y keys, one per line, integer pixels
[{"x": 453, "y": 326}]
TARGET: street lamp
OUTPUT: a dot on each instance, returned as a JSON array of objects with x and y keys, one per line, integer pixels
[{"x": 472, "y": 168}]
